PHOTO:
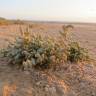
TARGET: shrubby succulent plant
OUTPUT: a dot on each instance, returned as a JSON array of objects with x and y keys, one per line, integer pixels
[
  {"x": 77, "y": 53},
  {"x": 36, "y": 51},
  {"x": 33, "y": 50}
]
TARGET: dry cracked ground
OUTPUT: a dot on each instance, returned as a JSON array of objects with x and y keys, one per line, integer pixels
[{"x": 65, "y": 80}]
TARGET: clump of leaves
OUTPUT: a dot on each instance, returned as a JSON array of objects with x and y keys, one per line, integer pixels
[
  {"x": 34, "y": 51},
  {"x": 31, "y": 50},
  {"x": 77, "y": 53}
]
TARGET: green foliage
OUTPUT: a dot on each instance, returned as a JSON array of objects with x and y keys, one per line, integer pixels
[
  {"x": 34, "y": 51},
  {"x": 42, "y": 52},
  {"x": 76, "y": 53}
]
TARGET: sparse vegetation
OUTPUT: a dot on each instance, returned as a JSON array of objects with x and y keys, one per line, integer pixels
[
  {"x": 66, "y": 31},
  {"x": 3, "y": 21},
  {"x": 33, "y": 50},
  {"x": 18, "y": 22},
  {"x": 36, "y": 51},
  {"x": 77, "y": 53}
]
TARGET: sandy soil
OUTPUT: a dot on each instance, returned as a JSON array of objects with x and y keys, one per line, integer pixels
[{"x": 64, "y": 81}]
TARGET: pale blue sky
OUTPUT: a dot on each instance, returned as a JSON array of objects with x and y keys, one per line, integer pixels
[{"x": 52, "y": 10}]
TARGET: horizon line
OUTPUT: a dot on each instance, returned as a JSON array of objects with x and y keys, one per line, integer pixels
[{"x": 50, "y": 21}]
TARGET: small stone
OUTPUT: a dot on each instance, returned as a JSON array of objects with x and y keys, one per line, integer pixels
[
  {"x": 52, "y": 90},
  {"x": 46, "y": 89},
  {"x": 38, "y": 83},
  {"x": 90, "y": 65},
  {"x": 93, "y": 94},
  {"x": 27, "y": 72},
  {"x": 71, "y": 93},
  {"x": 13, "y": 94}
]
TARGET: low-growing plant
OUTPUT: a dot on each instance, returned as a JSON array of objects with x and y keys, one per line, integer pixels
[
  {"x": 66, "y": 31},
  {"x": 76, "y": 53},
  {"x": 31, "y": 50},
  {"x": 4, "y": 21},
  {"x": 34, "y": 50}
]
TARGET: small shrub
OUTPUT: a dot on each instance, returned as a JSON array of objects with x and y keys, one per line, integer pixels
[
  {"x": 42, "y": 52},
  {"x": 34, "y": 50},
  {"x": 21, "y": 22},
  {"x": 76, "y": 53},
  {"x": 4, "y": 21},
  {"x": 66, "y": 31}
]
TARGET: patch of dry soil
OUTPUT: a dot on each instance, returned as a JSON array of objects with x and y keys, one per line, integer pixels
[{"x": 67, "y": 80}]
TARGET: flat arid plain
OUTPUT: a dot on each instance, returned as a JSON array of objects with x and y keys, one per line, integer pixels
[{"x": 51, "y": 83}]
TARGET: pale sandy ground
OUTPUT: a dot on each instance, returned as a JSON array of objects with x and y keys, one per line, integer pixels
[{"x": 35, "y": 83}]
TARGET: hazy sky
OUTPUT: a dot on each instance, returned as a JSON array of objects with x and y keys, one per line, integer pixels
[{"x": 55, "y": 10}]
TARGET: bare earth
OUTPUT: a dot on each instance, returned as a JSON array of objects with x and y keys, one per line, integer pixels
[{"x": 67, "y": 80}]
